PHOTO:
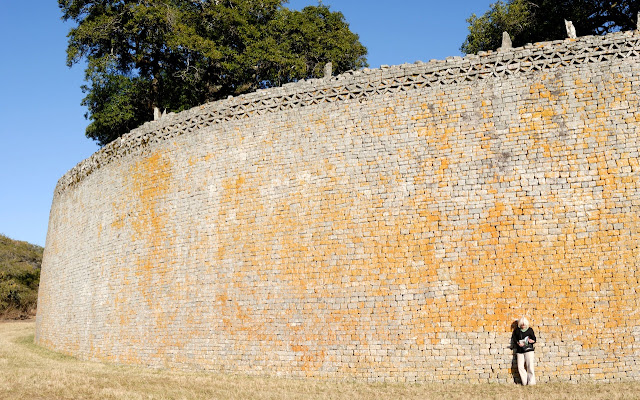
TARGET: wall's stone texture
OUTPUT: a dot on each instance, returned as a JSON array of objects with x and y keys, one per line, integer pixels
[{"x": 385, "y": 225}]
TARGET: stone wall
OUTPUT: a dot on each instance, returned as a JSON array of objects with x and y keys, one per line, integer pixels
[{"x": 386, "y": 224}]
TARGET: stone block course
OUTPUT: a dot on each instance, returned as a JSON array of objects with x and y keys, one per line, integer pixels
[{"x": 384, "y": 225}]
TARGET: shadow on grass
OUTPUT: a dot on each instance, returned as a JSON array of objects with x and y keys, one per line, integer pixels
[{"x": 28, "y": 343}]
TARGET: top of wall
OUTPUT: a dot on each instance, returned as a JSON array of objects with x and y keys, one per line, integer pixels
[{"x": 361, "y": 84}]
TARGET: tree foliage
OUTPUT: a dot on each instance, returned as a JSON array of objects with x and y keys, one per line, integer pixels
[
  {"x": 176, "y": 54},
  {"x": 530, "y": 21},
  {"x": 19, "y": 277}
]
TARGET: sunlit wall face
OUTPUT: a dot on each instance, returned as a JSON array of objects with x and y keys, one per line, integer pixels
[{"x": 381, "y": 225}]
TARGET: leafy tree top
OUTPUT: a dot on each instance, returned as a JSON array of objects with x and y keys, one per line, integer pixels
[
  {"x": 176, "y": 54},
  {"x": 530, "y": 21}
]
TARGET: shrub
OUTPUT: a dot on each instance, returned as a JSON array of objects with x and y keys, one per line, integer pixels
[{"x": 19, "y": 278}]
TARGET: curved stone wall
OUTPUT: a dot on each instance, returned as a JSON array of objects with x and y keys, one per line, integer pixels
[{"x": 384, "y": 224}]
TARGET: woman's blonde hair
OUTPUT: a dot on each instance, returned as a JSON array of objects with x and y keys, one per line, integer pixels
[{"x": 523, "y": 321}]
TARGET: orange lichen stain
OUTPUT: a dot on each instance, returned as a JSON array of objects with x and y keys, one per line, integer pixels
[
  {"x": 426, "y": 131},
  {"x": 386, "y": 111},
  {"x": 151, "y": 178},
  {"x": 118, "y": 222},
  {"x": 343, "y": 262},
  {"x": 430, "y": 110},
  {"x": 150, "y": 274}
]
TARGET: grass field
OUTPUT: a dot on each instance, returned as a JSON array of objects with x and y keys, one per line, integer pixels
[{"x": 31, "y": 372}]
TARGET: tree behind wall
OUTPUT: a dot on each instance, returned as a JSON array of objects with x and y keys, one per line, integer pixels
[
  {"x": 530, "y": 21},
  {"x": 176, "y": 54}
]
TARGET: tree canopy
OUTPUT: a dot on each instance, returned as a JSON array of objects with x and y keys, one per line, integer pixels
[
  {"x": 530, "y": 21},
  {"x": 176, "y": 54}
]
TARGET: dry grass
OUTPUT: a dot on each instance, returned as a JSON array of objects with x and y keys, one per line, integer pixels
[{"x": 31, "y": 372}]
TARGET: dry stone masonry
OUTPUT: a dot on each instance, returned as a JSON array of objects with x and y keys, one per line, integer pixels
[{"x": 385, "y": 225}]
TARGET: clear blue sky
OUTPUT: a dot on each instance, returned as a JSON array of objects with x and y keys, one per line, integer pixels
[{"x": 42, "y": 122}]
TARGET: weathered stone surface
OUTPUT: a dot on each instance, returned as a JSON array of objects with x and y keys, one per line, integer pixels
[
  {"x": 328, "y": 70},
  {"x": 384, "y": 224},
  {"x": 571, "y": 30},
  {"x": 506, "y": 42}
]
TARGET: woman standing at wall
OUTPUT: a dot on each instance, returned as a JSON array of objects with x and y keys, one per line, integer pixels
[{"x": 523, "y": 337}]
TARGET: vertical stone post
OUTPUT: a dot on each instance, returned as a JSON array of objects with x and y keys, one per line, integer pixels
[
  {"x": 506, "y": 42},
  {"x": 328, "y": 70},
  {"x": 571, "y": 30}
]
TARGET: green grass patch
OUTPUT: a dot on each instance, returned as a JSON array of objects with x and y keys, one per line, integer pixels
[{"x": 28, "y": 343}]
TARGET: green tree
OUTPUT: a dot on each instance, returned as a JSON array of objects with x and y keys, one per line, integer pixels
[
  {"x": 530, "y": 21},
  {"x": 19, "y": 277},
  {"x": 303, "y": 42},
  {"x": 176, "y": 54}
]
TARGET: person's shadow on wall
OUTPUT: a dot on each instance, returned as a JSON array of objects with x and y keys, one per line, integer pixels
[{"x": 514, "y": 360}]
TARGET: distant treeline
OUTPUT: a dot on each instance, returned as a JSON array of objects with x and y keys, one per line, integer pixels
[{"x": 19, "y": 278}]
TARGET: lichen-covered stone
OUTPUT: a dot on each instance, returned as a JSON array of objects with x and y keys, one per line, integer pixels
[{"x": 385, "y": 224}]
